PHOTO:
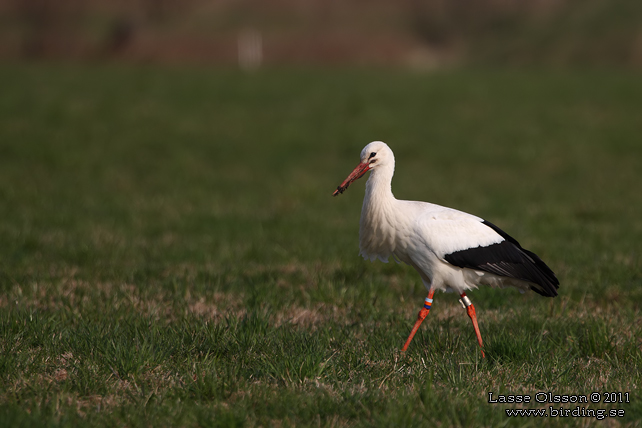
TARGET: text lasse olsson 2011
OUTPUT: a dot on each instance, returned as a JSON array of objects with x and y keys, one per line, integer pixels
[
  {"x": 561, "y": 412},
  {"x": 549, "y": 397}
]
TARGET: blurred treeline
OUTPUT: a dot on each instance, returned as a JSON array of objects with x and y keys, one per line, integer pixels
[{"x": 422, "y": 33}]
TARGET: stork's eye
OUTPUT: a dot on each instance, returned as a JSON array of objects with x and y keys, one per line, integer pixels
[{"x": 372, "y": 155}]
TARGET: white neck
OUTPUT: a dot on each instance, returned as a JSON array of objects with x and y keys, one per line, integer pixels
[
  {"x": 377, "y": 231},
  {"x": 379, "y": 186}
]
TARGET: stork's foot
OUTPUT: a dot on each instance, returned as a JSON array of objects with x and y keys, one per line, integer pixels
[
  {"x": 420, "y": 318},
  {"x": 470, "y": 309}
]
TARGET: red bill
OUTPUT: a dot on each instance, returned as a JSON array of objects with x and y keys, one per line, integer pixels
[{"x": 358, "y": 172}]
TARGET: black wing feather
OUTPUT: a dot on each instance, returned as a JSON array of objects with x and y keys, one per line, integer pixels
[{"x": 509, "y": 259}]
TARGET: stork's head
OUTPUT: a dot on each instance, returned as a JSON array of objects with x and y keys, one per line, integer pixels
[
  {"x": 377, "y": 154},
  {"x": 373, "y": 156}
]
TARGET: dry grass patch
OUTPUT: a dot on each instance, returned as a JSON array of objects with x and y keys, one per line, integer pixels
[{"x": 217, "y": 306}]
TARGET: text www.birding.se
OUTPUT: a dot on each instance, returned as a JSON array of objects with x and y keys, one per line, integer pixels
[{"x": 577, "y": 412}]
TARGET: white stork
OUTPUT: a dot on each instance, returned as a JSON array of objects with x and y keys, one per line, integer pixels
[{"x": 451, "y": 250}]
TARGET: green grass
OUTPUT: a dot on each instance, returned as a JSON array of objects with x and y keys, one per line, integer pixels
[{"x": 172, "y": 256}]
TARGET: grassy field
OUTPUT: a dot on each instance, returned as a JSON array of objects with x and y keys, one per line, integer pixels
[{"x": 171, "y": 254}]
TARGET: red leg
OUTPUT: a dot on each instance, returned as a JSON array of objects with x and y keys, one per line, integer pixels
[
  {"x": 420, "y": 318},
  {"x": 473, "y": 317}
]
